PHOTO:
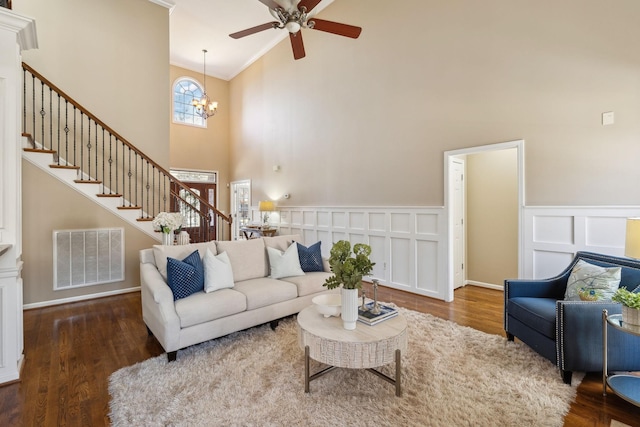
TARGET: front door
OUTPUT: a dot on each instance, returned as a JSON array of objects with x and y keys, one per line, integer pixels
[{"x": 194, "y": 224}]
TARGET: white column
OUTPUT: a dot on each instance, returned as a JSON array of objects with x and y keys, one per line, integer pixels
[{"x": 17, "y": 33}]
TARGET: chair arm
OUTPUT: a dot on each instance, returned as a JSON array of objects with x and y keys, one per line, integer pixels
[
  {"x": 544, "y": 288},
  {"x": 579, "y": 334}
]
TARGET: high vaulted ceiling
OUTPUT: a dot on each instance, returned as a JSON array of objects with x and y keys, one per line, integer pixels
[{"x": 206, "y": 24}]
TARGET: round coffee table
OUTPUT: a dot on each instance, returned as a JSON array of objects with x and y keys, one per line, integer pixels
[{"x": 366, "y": 347}]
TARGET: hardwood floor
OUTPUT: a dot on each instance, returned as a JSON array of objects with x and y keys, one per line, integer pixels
[{"x": 71, "y": 350}]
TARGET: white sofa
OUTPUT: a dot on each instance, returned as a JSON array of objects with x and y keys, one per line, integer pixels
[{"x": 255, "y": 298}]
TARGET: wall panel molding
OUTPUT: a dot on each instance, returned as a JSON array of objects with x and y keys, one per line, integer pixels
[
  {"x": 408, "y": 244},
  {"x": 552, "y": 235}
]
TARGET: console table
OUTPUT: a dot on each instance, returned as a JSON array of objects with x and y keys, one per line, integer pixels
[{"x": 624, "y": 385}]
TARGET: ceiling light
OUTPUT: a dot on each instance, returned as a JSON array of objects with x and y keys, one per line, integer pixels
[{"x": 204, "y": 106}]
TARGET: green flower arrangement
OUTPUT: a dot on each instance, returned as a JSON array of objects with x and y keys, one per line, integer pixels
[
  {"x": 627, "y": 298},
  {"x": 347, "y": 269}
]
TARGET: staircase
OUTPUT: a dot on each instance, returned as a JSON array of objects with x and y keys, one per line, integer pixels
[{"x": 68, "y": 142}]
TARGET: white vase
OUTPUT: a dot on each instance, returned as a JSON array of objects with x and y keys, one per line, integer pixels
[
  {"x": 349, "y": 308},
  {"x": 167, "y": 238}
]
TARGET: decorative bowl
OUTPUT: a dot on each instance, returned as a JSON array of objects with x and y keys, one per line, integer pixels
[{"x": 328, "y": 304}]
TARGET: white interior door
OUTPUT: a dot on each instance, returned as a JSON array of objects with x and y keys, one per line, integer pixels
[{"x": 457, "y": 206}]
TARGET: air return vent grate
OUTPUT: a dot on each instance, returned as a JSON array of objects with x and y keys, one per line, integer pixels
[{"x": 87, "y": 257}]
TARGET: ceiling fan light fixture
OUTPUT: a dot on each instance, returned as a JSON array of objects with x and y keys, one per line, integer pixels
[
  {"x": 204, "y": 107},
  {"x": 293, "y": 27}
]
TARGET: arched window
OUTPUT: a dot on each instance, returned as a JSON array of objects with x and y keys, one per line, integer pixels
[{"x": 185, "y": 90}]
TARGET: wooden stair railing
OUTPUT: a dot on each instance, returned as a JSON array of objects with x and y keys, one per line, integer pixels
[{"x": 79, "y": 140}]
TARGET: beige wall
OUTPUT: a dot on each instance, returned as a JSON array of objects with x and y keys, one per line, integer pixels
[
  {"x": 365, "y": 122},
  {"x": 207, "y": 148},
  {"x": 492, "y": 216},
  {"x": 112, "y": 57},
  {"x": 68, "y": 210}
]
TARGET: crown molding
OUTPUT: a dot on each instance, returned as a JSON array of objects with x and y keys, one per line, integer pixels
[
  {"x": 23, "y": 26},
  {"x": 165, "y": 3}
]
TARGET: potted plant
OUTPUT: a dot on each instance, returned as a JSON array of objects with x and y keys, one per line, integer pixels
[
  {"x": 630, "y": 305},
  {"x": 348, "y": 269}
]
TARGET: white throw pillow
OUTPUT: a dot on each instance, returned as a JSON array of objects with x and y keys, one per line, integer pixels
[
  {"x": 217, "y": 272},
  {"x": 284, "y": 264}
]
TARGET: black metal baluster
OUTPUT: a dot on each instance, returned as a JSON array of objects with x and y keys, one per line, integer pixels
[
  {"x": 74, "y": 137},
  {"x": 59, "y": 115},
  {"x": 89, "y": 148},
  {"x": 147, "y": 186},
  {"x": 153, "y": 191},
  {"x": 103, "y": 175},
  {"x": 33, "y": 106},
  {"x": 81, "y": 144},
  {"x": 51, "y": 117},
  {"x": 110, "y": 161},
  {"x": 116, "y": 189},
  {"x": 42, "y": 113},
  {"x": 24, "y": 100},
  {"x": 136, "y": 181},
  {"x": 130, "y": 174},
  {"x": 66, "y": 130}
]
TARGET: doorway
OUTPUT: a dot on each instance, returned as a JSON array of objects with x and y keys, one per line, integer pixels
[
  {"x": 240, "y": 203},
  {"x": 199, "y": 229},
  {"x": 458, "y": 233}
]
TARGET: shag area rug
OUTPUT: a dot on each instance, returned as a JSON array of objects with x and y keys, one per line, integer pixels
[{"x": 452, "y": 376}]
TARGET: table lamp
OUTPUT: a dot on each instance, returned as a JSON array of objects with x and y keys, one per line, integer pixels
[
  {"x": 632, "y": 241},
  {"x": 266, "y": 206}
]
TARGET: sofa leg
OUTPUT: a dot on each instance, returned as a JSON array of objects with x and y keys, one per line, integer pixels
[
  {"x": 566, "y": 376},
  {"x": 274, "y": 324},
  {"x": 510, "y": 337},
  {"x": 172, "y": 355},
  {"x": 149, "y": 333}
]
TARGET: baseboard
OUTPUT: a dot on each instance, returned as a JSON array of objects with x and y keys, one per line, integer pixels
[
  {"x": 485, "y": 285},
  {"x": 79, "y": 298}
]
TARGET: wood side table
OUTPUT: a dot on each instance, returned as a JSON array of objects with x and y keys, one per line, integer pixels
[{"x": 366, "y": 347}]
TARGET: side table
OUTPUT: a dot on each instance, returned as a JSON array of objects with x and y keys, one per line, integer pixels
[{"x": 624, "y": 385}]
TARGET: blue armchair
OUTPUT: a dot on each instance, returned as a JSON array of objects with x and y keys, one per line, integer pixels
[{"x": 569, "y": 333}]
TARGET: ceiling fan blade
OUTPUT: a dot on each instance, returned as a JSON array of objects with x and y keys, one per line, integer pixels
[
  {"x": 336, "y": 28},
  {"x": 309, "y": 4},
  {"x": 254, "y": 30},
  {"x": 297, "y": 45},
  {"x": 270, "y": 4}
]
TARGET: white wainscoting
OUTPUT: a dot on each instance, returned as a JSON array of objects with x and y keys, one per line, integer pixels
[
  {"x": 408, "y": 244},
  {"x": 552, "y": 235}
]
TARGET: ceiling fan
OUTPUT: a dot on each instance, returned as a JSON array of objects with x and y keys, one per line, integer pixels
[{"x": 296, "y": 17}]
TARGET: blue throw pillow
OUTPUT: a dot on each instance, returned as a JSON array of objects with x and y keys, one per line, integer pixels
[
  {"x": 310, "y": 257},
  {"x": 185, "y": 277}
]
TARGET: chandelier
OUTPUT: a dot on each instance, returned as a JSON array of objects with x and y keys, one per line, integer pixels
[{"x": 204, "y": 106}]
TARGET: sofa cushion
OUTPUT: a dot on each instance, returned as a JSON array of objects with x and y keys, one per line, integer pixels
[
  {"x": 266, "y": 291},
  {"x": 281, "y": 242},
  {"x": 162, "y": 252},
  {"x": 248, "y": 258},
  {"x": 201, "y": 307},
  {"x": 217, "y": 272},
  {"x": 537, "y": 313},
  {"x": 284, "y": 264},
  {"x": 589, "y": 282},
  {"x": 185, "y": 277},
  {"x": 310, "y": 257},
  {"x": 310, "y": 283}
]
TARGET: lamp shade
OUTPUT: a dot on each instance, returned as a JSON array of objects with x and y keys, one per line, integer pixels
[
  {"x": 632, "y": 242},
  {"x": 266, "y": 206}
]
